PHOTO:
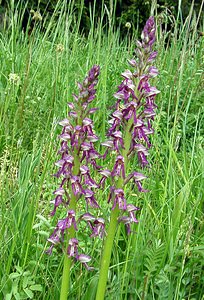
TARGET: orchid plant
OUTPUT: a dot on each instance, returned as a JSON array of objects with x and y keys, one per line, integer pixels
[{"x": 128, "y": 136}]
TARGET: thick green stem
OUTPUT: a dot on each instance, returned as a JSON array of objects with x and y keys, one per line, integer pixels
[
  {"x": 65, "y": 277},
  {"x": 105, "y": 262}
]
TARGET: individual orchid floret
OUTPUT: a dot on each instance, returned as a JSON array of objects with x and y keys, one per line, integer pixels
[
  {"x": 105, "y": 174},
  {"x": 85, "y": 173},
  {"x": 97, "y": 225},
  {"x": 119, "y": 167},
  {"x": 84, "y": 259},
  {"x": 117, "y": 140},
  {"x": 90, "y": 199},
  {"x": 98, "y": 228},
  {"x": 72, "y": 249},
  {"x": 128, "y": 220},
  {"x": 131, "y": 209},
  {"x": 118, "y": 198},
  {"x": 76, "y": 185},
  {"x": 137, "y": 178}
]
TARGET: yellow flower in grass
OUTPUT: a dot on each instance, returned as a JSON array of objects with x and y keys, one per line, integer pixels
[
  {"x": 14, "y": 78},
  {"x": 59, "y": 48},
  {"x": 36, "y": 15}
]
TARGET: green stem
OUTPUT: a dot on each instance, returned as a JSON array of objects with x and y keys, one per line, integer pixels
[
  {"x": 65, "y": 278},
  {"x": 105, "y": 262}
]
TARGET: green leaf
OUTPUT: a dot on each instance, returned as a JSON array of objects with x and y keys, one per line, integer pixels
[
  {"x": 25, "y": 281},
  {"x": 43, "y": 233},
  {"x": 14, "y": 275},
  {"x": 15, "y": 287},
  {"x": 91, "y": 291},
  {"x": 29, "y": 293},
  {"x": 17, "y": 296},
  {"x": 8, "y": 296},
  {"x": 44, "y": 220},
  {"x": 19, "y": 269},
  {"x": 36, "y": 287}
]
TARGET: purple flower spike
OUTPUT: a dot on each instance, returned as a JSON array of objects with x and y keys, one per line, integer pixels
[
  {"x": 75, "y": 166},
  {"x": 131, "y": 123}
]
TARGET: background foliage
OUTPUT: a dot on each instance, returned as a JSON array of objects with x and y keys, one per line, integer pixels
[{"x": 122, "y": 11}]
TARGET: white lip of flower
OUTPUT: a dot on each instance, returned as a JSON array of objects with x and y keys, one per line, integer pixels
[{"x": 14, "y": 78}]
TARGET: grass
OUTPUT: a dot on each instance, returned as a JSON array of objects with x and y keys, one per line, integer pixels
[{"x": 164, "y": 259}]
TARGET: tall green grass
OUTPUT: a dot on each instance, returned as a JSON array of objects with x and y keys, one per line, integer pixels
[{"x": 164, "y": 259}]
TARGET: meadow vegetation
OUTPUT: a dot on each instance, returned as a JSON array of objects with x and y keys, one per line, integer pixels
[{"x": 164, "y": 259}]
